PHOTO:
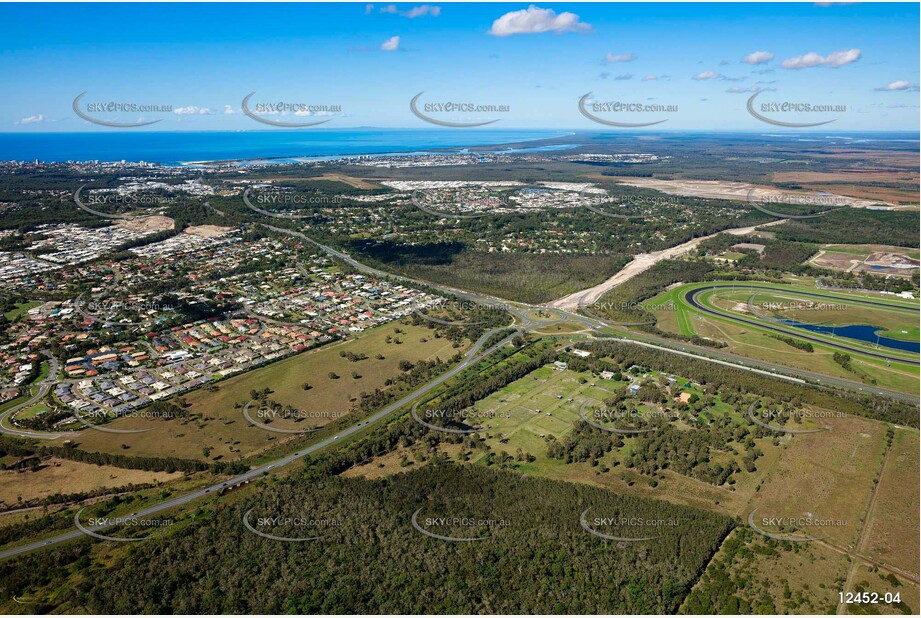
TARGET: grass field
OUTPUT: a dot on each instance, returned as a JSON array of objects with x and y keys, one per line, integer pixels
[
  {"x": 561, "y": 328},
  {"x": 772, "y": 578},
  {"x": 892, "y": 531},
  {"x": 828, "y": 476},
  {"x": 44, "y": 370},
  {"x": 810, "y": 311},
  {"x": 767, "y": 577},
  {"x": 217, "y": 430},
  {"x": 32, "y": 411},
  {"x": 754, "y": 343},
  {"x": 911, "y": 333},
  {"x": 20, "y": 310},
  {"x": 868, "y": 249},
  {"x": 673, "y": 314},
  {"x": 61, "y": 476},
  {"x": 515, "y": 423},
  {"x": 875, "y": 580}
]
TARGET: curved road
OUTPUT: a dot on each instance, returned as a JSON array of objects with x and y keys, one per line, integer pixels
[
  {"x": 744, "y": 363},
  {"x": 472, "y": 356},
  {"x": 44, "y": 386}
]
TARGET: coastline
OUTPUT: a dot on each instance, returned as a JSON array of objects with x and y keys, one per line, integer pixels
[
  {"x": 521, "y": 146},
  {"x": 214, "y": 148}
]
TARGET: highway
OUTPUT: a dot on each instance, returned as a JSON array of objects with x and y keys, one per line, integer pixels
[
  {"x": 774, "y": 370},
  {"x": 745, "y": 363},
  {"x": 473, "y": 355}
]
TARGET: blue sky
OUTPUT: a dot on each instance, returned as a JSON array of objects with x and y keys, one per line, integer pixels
[{"x": 203, "y": 59}]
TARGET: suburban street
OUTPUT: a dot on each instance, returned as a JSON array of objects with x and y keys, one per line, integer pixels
[
  {"x": 525, "y": 323},
  {"x": 473, "y": 355}
]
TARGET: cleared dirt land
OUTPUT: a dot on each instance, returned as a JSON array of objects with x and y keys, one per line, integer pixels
[
  {"x": 848, "y": 176},
  {"x": 352, "y": 181},
  {"x": 154, "y": 223},
  {"x": 642, "y": 263},
  {"x": 740, "y": 191},
  {"x": 890, "y": 261},
  {"x": 874, "y": 184},
  {"x": 206, "y": 231}
]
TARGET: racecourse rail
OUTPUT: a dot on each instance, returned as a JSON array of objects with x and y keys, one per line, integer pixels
[
  {"x": 475, "y": 354},
  {"x": 691, "y": 298}
]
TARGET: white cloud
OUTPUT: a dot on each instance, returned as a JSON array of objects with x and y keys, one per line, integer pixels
[
  {"x": 368, "y": 9},
  {"x": 897, "y": 85},
  {"x": 191, "y": 109},
  {"x": 391, "y": 44},
  {"x": 650, "y": 78},
  {"x": 628, "y": 57},
  {"x": 758, "y": 57},
  {"x": 31, "y": 119},
  {"x": 535, "y": 20},
  {"x": 832, "y": 60},
  {"x": 422, "y": 10},
  {"x": 624, "y": 76},
  {"x": 707, "y": 75},
  {"x": 740, "y": 89},
  {"x": 417, "y": 11},
  {"x": 229, "y": 110}
]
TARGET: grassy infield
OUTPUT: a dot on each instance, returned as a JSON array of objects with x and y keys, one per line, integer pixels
[
  {"x": 830, "y": 474},
  {"x": 673, "y": 314}
]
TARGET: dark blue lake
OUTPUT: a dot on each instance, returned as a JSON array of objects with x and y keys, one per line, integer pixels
[{"x": 859, "y": 332}]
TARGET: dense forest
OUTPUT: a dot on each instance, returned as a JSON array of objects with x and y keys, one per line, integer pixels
[
  {"x": 855, "y": 226},
  {"x": 534, "y": 557},
  {"x": 526, "y": 277}
]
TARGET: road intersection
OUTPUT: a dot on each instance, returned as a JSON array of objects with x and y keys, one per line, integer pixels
[{"x": 527, "y": 318}]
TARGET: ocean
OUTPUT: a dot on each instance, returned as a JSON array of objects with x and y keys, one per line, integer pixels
[{"x": 178, "y": 148}]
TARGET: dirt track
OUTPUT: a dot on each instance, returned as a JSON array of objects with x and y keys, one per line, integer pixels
[
  {"x": 641, "y": 263},
  {"x": 743, "y": 191}
]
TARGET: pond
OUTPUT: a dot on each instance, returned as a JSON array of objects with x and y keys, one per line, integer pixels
[{"x": 859, "y": 332}]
